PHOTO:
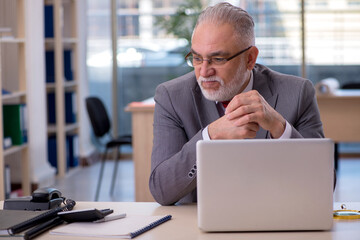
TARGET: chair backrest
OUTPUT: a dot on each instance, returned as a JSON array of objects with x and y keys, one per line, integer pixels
[
  {"x": 352, "y": 85},
  {"x": 98, "y": 116}
]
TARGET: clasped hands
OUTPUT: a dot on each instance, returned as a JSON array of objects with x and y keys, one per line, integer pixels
[{"x": 244, "y": 115}]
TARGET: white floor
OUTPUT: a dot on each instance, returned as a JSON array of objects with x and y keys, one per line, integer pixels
[
  {"x": 80, "y": 184},
  {"x": 348, "y": 181}
]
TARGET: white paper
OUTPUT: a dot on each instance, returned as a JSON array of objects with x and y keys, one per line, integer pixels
[{"x": 120, "y": 228}]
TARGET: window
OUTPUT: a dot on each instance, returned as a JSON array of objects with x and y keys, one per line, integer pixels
[
  {"x": 278, "y": 33},
  {"x": 333, "y": 41},
  {"x": 148, "y": 56}
]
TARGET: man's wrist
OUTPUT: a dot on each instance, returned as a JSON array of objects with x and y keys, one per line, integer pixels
[
  {"x": 287, "y": 132},
  {"x": 278, "y": 130}
]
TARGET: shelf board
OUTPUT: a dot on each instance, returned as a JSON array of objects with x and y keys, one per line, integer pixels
[
  {"x": 49, "y": 2},
  {"x": 70, "y": 40},
  {"x": 71, "y": 127},
  {"x": 70, "y": 84},
  {"x": 68, "y": 128},
  {"x": 15, "y": 149},
  {"x": 64, "y": 40},
  {"x": 13, "y": 95},
  {"x": 50, "y": 87},
  {"x": 12, "y": 40}
]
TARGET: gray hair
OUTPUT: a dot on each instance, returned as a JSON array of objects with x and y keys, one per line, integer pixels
[{"x": 224, "y": 12}]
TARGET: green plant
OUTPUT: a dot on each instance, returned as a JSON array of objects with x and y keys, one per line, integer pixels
[{"x": 182, "y": 23}]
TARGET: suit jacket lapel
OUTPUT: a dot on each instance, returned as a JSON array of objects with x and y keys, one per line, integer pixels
[
  {"x": 206, "y": 110},
  {"x": 262, "y": 85}
]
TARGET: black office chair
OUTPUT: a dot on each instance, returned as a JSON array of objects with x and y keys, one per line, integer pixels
[{"x": 101, "y": 126}]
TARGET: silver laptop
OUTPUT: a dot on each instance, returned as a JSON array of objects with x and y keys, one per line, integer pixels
[{"x": 265, "y": 185}]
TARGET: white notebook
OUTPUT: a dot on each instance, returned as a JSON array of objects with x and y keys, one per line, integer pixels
[{"x": 128, "y": 227}]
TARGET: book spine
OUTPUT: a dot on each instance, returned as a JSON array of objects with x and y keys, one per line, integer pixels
[
  {"x": 50, "y": 66},
  {"x": 49, "y": 21},
  {"x": 52, "y": 151},
  {"x": 72, "y": 152},
  {"x": 68, "y": 71},
  {"x": 7, "y": 181},
  {"x": 14, "y": 123},
  {"x": 70, "y": 107},
  {"x": 7, "y": 142},
  {"x": 24, "y": 123},
  {"x": 51, "y": 108}
]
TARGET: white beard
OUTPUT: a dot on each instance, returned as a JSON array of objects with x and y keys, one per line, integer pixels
[{"x": 225, "y": 92}]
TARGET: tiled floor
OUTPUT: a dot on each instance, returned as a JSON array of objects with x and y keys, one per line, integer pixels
[{"x": 80, "y": 184}]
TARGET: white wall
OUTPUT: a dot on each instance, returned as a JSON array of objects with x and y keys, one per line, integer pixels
[
  {"x": 86, "y": 147},
  {"x": 40, "y": 170}
]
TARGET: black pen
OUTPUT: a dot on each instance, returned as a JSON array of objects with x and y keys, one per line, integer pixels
[
  {"x": 41, "y": 218},
  {"x": 32, "y": 233}
]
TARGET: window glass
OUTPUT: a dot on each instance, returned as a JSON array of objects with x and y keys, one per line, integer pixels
[
  {"x": 278, "y": 33},
  {"x": 99, "y": 50},
  {"x": 333, "y": 40},
  {"x": 148, "y": 54}
]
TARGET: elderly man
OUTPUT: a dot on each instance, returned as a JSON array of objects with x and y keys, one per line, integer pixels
[{"x": 227, "y": 96}]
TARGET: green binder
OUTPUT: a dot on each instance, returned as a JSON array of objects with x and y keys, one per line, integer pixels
[{"x": 14, "y": 123}]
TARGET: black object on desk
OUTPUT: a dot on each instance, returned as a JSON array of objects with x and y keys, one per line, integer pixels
[
  {"x": 10, "y": 218},
  {"x": 84, "y": 215},
  {"x": 46, "y": 216},
  {"x": 41, "y": 199},
  {"x": 36, "y": 231}
]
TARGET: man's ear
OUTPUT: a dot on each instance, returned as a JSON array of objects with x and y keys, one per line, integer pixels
[{"x": 252, "y": 56}]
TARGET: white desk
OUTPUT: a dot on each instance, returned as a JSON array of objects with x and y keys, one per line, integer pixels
[{"x": 184, "y": 225}]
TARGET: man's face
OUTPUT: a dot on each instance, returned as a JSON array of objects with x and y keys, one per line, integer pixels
[{"x": 219, "y": 82}]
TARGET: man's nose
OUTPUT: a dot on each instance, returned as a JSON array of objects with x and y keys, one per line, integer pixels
[{"x": 206, "y": 70}]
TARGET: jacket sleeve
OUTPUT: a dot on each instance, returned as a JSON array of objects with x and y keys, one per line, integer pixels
[
  {"x": 173, "y": 160},
  {"x": 308, "y": 123}
]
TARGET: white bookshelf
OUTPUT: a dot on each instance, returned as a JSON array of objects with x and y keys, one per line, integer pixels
[
  {"x": 13, "y": 78},
  {"x": 23, "y": 73},
  {"x": 66, "y": 37}
]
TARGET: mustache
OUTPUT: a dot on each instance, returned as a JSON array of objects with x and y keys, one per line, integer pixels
[{"x": 211, "y": 79}]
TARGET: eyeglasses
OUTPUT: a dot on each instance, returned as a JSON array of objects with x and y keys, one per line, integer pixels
[{"x": 192, "y": 60}]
